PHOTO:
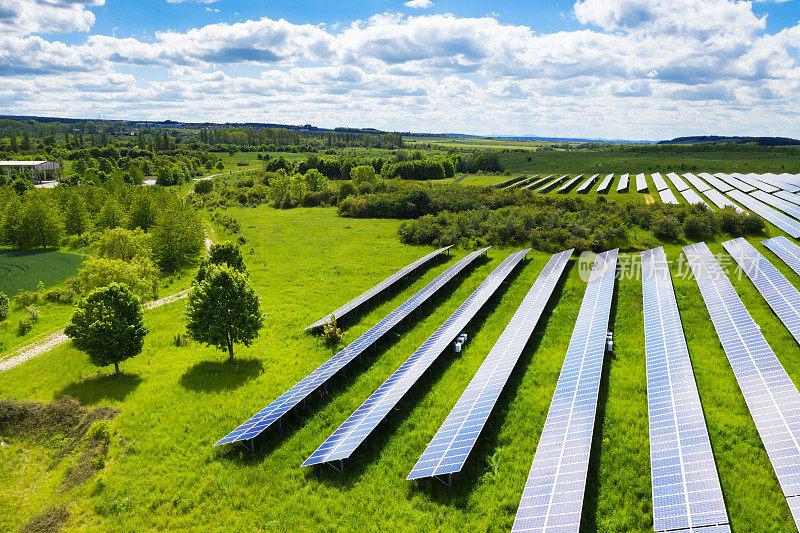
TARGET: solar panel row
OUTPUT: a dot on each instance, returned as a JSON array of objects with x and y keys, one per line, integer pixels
[
  {"x": 273, "y": 412},
  {"x": 537, "y": 182},
  {"x": 659, "y": 182},
  {"x": 736, "y": 183},
  {"x": 450, "y": 447},
  {"x": 686, "y": 489},
  {"x": 377, "y": 289},
  {"x": 752, "y": 179},
  {"x": 696, "y": 182},
  {"x": 587, "y": 184},
  {"x": 720, "y": 200},
  {"x": 568, "y": 185},
  {"x": 788, "y": 251},
  {"x": 771, "y": 397},
  {"x": 605, "y": 185},
  {"x": 693, "y": 198},
  {"x": 781, "y": 295},
  {"x": 622, "y": 186},
  {"x": 781, "y": 205},
  {"x": 553, "y": 184},
  {"x": 668, "y": 197},
  {"x": 553, "y": 495},
  {"x": 788, "y": 196},
  {"x": 676, "y": 180},
  {"x": 641, "y": 183},
  {"x": 344, "y": 441},
  {"x": 715, "y": 182},
  {"x": 790, "y": 226}
]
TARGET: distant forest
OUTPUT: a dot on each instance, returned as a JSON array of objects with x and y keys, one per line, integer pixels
[{"x": 714, "y": 139}]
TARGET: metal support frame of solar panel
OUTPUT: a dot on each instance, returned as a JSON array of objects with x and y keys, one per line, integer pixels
[
  {"x": 622, "y": 186},
  {"x": 586, "y": 185},
  {"x": 344, "y": 441},
  {"x": 721, "y": 201},
  {"x": 273, "y": 412},
  {"x": 693, "y": 198},
  {"x": 659, "y": 181},
  {"x": 781, "y": 295},
  {"x": 448, "y": 450},
  {"x": 569, "y": 183},
  {"x": 715, "y": 182},
  {"x": 770, "y": 395},
  {"x": 788, "y": 251},
  {"x": 696, "y": 182},
  {"x": 554, "y": 491},
  {"x": 780, "y": 204},
  {"x": 668, "y": 197},
  {"x": 641, "y": 183},
  {"x": 677, "y": 181},
  {"x": 735, "y": 182},
  {"x": 605, "y": 185},
  {"x": 781, "y": 221},
  {"x": 553, "y": 184},
  {"x": 686, "y": 489},
  {"x": 344, "y": 310}
]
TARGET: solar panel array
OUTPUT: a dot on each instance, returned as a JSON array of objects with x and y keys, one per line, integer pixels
[
  {"x": 553, "y": 184},
  {"x": 735, "y": 182},
  {"x": 720, "y": 200},
  {"x": 510, "y": 181},
  {"x": 696, "y": 182},
  {"x": 344, "y": 441},
  {"x": 715, "y": 182},
  {"x": 641, "y": 183},
  {"x": 538, "y": 182},
  {"x": 782, "y": 205},
  {"x": 553, "y": 495},
  {"x": 790, "y": 226},
  {"x": 788, "y": 251},
  {"x": 259, "y": 422},
  {"x": 622, "y": 186},
  {"x": 588, "y": 183},
  {"x": 605, "y": 185},
  {"x": 668, "y": 197},
  {"x": 377, "y": 289},
  {"x": 659, "y": 182},
  {"x": 676, "y": 180},
  {"x": 450, "y": 447},
  {"x": 781, "y": 295},
  {"x": 788, "y": 196},
  {"x": 686, "y": 489},
  {"x": 753, "y": 180},
  {"x": 693, "y": 198},
  {"x": 771, "y": 397},
  {"x": 568, "y": 185}
]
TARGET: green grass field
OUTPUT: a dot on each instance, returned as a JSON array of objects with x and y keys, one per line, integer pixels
[
  {"x": 25, "y": 270},
  {"x": 163, "y": 473}
]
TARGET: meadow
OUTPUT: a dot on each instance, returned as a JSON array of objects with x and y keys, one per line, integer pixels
[
  {"x": 175, "y": 402},
  {"x": 24, "y": 270}
]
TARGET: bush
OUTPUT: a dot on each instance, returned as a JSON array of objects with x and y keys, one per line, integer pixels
[
  {"x": 332, "y": 335},
  {"x": 26, "y": 298},
  {"x": 61, "y": 296},
  {"x": 24, "y": 326},
  {"x": 33, "y": 313},
  {"x": 139, "y": 275},
  {"x": 4, "y": 306},
  {"x": 203, "y": 187},
  {"x": 667, "y": 228},
  {"x": 123, "y": 244},
  {"x": 753, "y": 224}
]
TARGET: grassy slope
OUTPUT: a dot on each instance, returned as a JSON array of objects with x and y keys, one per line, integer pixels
[{"x": 176, "y": 402}]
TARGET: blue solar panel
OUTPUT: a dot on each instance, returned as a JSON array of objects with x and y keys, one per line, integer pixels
[
  {"x": 377, "y": 289},
  {"x": 622, "y": 186},
  {"x": 693, "y": 198},
  {"x": 686, "y": 489},
  {"x": 735, "y": 182},
  {"x": 752, "y": 179},
  {"x": 668, "y": 197},
  {"x": 676, "y": 180},
  {"x": 781, "y": 295},
  {"x": 259, "y": 422},
  {"x": 568, "y": 185},
  {"x": 788, "y": 251},
  {"x": 781, "y": 221},
  {"x": 344, "y": 441},
  {"x": 720, "y": 200},
  {"x": 553, "y": 495},
  {"x": 771, "y": 397},
  {"x": 641, "y": 183},
  {"x": 788, "y": 196},
  {"x": 450, "y": 447},
  {"x": 605, "y": 185},
  {"x": 586, "y": 184},
  {"x": 781, "y": 205},
  {"x": 715, "y": 182},
  {"x": 659, "y": 182},
  {"x": 696, "y": 182}
]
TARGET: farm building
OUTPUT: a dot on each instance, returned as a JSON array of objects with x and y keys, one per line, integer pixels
[{"x": 39, "y": 170}]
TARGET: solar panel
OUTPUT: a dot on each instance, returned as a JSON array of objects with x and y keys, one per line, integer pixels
[
  {"x": 781, "y": 295},
  {"x": 622, "y": 186},
  {"x": 778, "y": 203},
  {"x": 677, "y": 182},
  {"x": 720, "y": 200},
  {"x": 272, "y": 413},
  {"x": 377, "y": 289},
  {"x": 735, "y": 182},
  {"x": 788, "y": 196},
  {"x": 790, "y": 226},
  {"x": 659, "y": 182},
  {"x": 771, "y": 397},
  {"x": 344, "y": 441},
  {"x": 641, "y": 183},
  {"x": 552, "y": 185},
  {"x": 605, "y": 185},
  {"x": 696, "y": 182},
  {"x": 450, "y": 447},
  {"x": 537, "y": 182},
  {"x": 693, "y": 198},
  {"x": 668, "y": 197},
  {"x": 568, "y": 185},
  {"x": 752, "y": 179},
  {"x": 686, "y": 489},
  {"x": 715, "y": 182},
  {"x": 788, "y": 251},
  {"x": 553, "y": 495},
  {"x": 586, "y": 184},
  {"x": 508, "y": 182}
]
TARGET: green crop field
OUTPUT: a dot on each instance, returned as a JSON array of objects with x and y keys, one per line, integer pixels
[
  {"x": 175, "y": 402},
  {"x": 25, "y": 270}
]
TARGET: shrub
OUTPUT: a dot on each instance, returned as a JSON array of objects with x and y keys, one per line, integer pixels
[
  {"x": 332, "y": 335},
  {"x": 25, "y": 298},
  {"x": 347, "y": 189},
  {"x": 33, "y": 313},
  {"x": 24, "y": 326},
  {"x": 123, "y": 244},
  {"x": 4, "y": 306},
  {"x": 61, "y": 296},
  {"x": 667, "y": 228},
  {"x": 139, "y": 275},
  {"x": 753, "y": 224},
  {"x": 203, "y": 187}
]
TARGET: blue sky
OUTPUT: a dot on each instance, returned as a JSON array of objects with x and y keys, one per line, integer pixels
[{"x": 632, "y": 69}]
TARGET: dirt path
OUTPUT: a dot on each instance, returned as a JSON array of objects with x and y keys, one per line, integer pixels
[{"x": 212, "y": 176}]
